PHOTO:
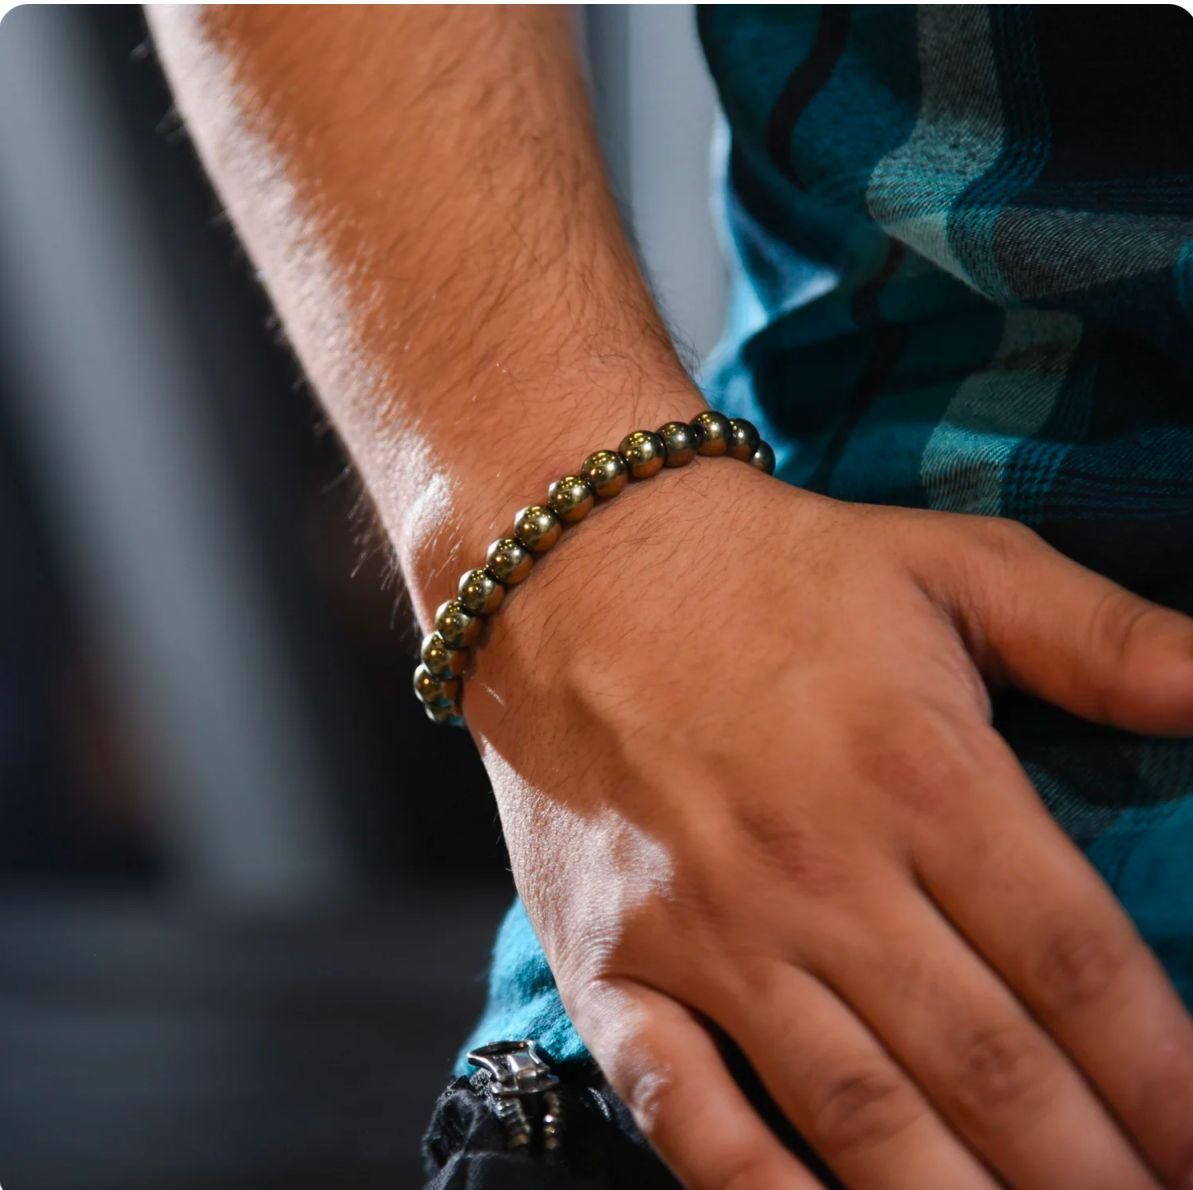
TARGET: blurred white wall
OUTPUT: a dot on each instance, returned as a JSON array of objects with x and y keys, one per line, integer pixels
[
  {"x": 656, "y": 106},
  {"x": 111, "y": 413}
]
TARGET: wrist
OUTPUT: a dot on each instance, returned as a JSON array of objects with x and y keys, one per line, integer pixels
[
  {"x": 565, "y": 634},
  {"x": 468, "y": 490}
]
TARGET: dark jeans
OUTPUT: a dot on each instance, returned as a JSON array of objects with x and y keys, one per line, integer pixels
[{"x": 465, "y": 1146}]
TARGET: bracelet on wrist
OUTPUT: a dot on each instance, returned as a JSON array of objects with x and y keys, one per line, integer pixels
[{"x": 445, "y": 652}]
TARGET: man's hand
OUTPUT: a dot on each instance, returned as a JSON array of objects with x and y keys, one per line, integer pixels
[
  {"x": 738, "y": 734},
  {"x": 740, "y": 740}
]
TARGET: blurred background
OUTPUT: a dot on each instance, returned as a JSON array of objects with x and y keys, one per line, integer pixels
[{"x": 248, "y": 890}]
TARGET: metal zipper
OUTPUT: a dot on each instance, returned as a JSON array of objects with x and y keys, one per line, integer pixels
[{"x": 523, "y": 1091}]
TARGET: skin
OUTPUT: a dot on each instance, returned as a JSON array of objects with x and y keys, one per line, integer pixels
[{"x": 739, "y": 735}]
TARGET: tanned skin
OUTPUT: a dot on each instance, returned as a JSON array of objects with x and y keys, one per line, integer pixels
[{"x": 739, "y": 735}]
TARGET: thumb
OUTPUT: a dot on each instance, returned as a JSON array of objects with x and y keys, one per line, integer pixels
[{"x": 1052, "y": 627}]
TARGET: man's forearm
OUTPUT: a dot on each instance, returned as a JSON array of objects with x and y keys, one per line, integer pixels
[{"x": 423, "y": 195}]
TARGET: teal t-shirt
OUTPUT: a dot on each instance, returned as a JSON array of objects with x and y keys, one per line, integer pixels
[{"x": 962, "y": 258}]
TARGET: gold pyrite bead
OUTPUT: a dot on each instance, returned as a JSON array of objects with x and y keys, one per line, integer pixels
[
  {"x": 680, "y": 441},
  {"x": 743, "y": 439},
  {"x": 445, "y": 712},
  {"x": 459, "y": 623},
  {"x": 439, "y": 659},
  {"x": 570, "y": 498},
  {"x": 644, "y": 452},
  {"x": 605, "y": 472},
  {"x": 458, "y": 629},
  {"x": 480, "y": 593},
  {"x": 715, "y": 433},
  {"x": 433, "y": 690},
  {"x": 537, "y": 528},
  {"x": 763, "y": 458},
  {"x": 509, "y": 561}
]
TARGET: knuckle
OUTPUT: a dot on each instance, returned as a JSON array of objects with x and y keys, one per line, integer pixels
[
  {"x": 1118, "y": 623},
  {"x": 650, "y": 1093},
  {"x": 862, "y": 1108},
  {"x": 802, "y": 859},
  {"x": 590, "y": 959},
  {"x": 1076, "y": 965},
  {"x": 999, "y": 1068},
  {"x": 1007, "y": 539},
  {"x": 919, "y": 758}
]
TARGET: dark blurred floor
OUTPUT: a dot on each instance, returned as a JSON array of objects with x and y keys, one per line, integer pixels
[{"x": 150, "y": 1051}]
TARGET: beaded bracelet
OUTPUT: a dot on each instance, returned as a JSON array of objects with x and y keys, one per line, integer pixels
[{"x": 537, "y": 527}]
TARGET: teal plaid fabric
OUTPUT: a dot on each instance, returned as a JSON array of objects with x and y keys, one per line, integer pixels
[{"x": 962, "y": 250}]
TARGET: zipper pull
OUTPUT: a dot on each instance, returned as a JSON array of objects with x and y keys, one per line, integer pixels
[{"x": 522, "y": 1090}]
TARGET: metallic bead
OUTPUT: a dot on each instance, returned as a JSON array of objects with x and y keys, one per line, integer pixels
[
  {"x": 763, "y": 458},
  {"x": 458, "y": 629},
  {"x": 644, "y": 452},
  {"x": 445, "y": 712},
  {"x": 715, "y": 431},
  {"x": 509, "y": 561},
  {"x": 570, "y": 498},
  {"x": 680, "y": 441},
  {"x": 432, "y": 690},
  {"x": 439, "y": 659},
  {"x": 743, "y": 439},
  {"x": 480, "y": 593},
  {"x": 536, "y": 527},
  {"x": 605, "y": 472}
]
